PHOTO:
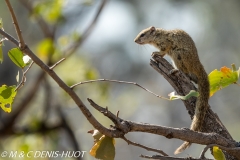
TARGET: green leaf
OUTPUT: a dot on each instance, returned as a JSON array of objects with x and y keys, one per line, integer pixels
[
  {"x": 7, "y": 95},
  {"x": 190, "y": 94},
  {"x": 104, "y": 148},
  {"x": 223, "y": 78},
  {"x": 91, "y": 74},
  {"x": 51, "y": 11},
  {"x": 16, "y": 55},
  {"x": 45, "y": 48},
  {"x": 218, "y": 154}
]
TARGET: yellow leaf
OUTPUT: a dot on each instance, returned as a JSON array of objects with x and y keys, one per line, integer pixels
[
  {"x": 45, "y": 48},
  {"x": 104, "y": 149},
  {"x": 218, "y": 154},
  {"x": 7, "y": 95},
  {"x": 222, "y": 78}
]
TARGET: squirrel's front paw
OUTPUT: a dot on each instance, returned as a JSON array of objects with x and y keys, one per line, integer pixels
[
  {"x": 173, "y": 71},
  {"x": 156, "y": 54}
]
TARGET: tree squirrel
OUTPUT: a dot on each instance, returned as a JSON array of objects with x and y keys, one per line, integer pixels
[{"x": 182, "y": 50}]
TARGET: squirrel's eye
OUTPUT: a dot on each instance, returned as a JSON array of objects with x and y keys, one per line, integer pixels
[{"x": 142, "y": 35}]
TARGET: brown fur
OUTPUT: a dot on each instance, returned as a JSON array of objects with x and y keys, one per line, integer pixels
[{"x": 182, "y": 50}]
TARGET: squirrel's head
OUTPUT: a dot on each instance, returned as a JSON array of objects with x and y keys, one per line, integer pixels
[{"x": 146, "y": 36}]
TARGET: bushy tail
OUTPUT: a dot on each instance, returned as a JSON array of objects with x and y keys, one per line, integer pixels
[
  {"x": 184, "y": 146},
  {"x": 201, "y": 106},
  {"x": 202, "y": 102}
]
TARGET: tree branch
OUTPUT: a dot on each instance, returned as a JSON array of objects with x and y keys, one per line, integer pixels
[
  {"x": 145, "y": 147},
  {"x": 117, "y": 81},
  {"x": 183, "y": 134},
  {"x": 15, "y": 22},
  {"x": 169, "y": 132},
  {"x": 57, "y": 63}
]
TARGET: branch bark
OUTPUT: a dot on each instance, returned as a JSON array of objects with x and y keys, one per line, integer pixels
[
  {"x": 169, "y": 132},
  {"x": 15, "y": 22}
]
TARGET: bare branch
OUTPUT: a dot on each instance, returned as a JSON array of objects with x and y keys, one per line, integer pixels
[
  {"x": 57, "y": 63},
  {"x": 169, "y": 132},
  {"x": 145, "y": 147},
  {"x": 117, "y": 81},
  {"x": 15, "y": 22},
  {"x": 9, "y": 37}
]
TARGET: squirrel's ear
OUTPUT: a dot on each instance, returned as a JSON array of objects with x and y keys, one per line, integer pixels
[{"x": 152, "y": 28}]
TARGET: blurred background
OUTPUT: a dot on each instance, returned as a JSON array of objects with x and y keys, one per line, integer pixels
[{"x": 43, "y": 117}]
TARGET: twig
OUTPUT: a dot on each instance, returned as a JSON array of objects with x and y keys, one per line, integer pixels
[
  {"x": 237, "y": 149},
  {"x": 73, "y": 47},
  {"x": 57, "y": 63},
  {"x": 117, "y": 81},
  {"x": 145, "y": 147},
  {"x": 24, "y": 77},
  {"x": 15, "y": 22},
  {"x": 184, "y": 134},
  {"x": 9, "y": 37}
]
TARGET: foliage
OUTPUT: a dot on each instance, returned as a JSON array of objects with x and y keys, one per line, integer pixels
[
  {"x": 190, "y": 94},
  {"x": 51, "y": 11},
  {"x": 103, "y": 147},
  {"x": 7, "y": 95},
  {"x": 45, "y": 48},
  {"x": 217, "y": 79},
  {"x": 218, "y": 154},
  {"x": 16, "y": 56},
  {"x": 223, "y": 78}
]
